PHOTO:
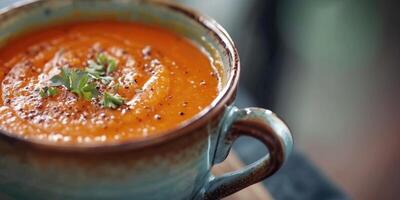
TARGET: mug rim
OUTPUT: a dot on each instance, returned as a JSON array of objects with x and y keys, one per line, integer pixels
[{"x": 224, "y": 97}]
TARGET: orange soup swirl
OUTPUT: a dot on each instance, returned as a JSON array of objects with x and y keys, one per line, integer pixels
[{"x": 97, "y": 82}]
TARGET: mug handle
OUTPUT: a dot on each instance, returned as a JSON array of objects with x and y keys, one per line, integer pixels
[{"x": 260, "y": 124}]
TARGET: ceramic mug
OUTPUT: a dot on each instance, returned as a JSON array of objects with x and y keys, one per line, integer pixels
[{"x": 174, "y": 165}]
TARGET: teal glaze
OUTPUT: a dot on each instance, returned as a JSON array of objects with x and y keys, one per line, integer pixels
[
  {"x": 32, "y": 174},
  {"x": 271, "y": 127},
  {"x": 175, "y": 166}
]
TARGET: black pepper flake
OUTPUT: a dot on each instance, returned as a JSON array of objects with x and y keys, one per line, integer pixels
[
  {"x": 157, "y": 117},
  {"x": 181, "y": 113},
  {"x": 214, "y": 74}
]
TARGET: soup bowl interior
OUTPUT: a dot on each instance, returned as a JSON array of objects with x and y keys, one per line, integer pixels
[{"x": 204, "y": 32}]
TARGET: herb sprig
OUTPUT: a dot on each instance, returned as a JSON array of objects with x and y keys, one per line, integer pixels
[
  {"x": 112, "y": 101},
  {"x": 76, "y": 81},
  {"x": 101, "y": 68},
  {"x": 83, "y": 82}
]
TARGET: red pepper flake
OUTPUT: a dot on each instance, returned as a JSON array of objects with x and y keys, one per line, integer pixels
[{"x": 181, "y": 113}]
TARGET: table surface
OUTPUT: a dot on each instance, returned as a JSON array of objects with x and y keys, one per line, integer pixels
[{"x": 254, "y": 192}]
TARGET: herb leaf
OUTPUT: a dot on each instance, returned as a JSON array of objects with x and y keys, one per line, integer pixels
[
  {"x": 106, "y": 79},
  {"x": 62, "y": 78},
  {"x": 89, "y": 91},
  {"x": 112, "y": 101},
  {"x": 100, "y": 69},
  {"x": 102, "y": 66},
  {"x": 95, "y": 68},
  {"x": 48, "y": 91},
  {"x": 112, "y": 66},
  {"x": 102, "y": 59},
  {"x": 77, "y": 81}
]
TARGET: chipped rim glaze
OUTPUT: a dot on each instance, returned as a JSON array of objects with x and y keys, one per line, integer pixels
[{"x": 225, "y": 97}]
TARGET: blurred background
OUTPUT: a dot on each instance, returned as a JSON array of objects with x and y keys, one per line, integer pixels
[{"x": 331, "y": 69}]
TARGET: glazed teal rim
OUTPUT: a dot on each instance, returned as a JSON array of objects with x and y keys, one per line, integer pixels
[{"x": 224, "y": 98}]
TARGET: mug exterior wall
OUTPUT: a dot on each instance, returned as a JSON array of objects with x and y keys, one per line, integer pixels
[{"x": 175, "y": 170}]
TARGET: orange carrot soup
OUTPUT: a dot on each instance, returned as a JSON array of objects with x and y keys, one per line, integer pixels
[{"x": 101, "y": 82}]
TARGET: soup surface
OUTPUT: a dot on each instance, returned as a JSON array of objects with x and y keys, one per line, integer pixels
[{"x": 101, "y": 82}]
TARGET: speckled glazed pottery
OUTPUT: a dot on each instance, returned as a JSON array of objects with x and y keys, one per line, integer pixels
[{"x": 175, "y": 165}]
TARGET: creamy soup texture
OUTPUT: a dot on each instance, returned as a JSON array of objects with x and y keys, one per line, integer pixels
[{"x": 98, "y": 82}]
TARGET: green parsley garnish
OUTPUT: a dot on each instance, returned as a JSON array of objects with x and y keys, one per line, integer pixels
[
  {"x": 82, "y": 87},
  {"x": 62, "y": 78},
  {"x": 77, "y": 81},
  {"x": 101, "y": 59},
  {"x": 48, "y": 91},
  {"x": 112, "y": 101},
  {"x": 95, "y": 68},
  {"x": 100, "y": 68},
  {"x": 83, "y": 84},
  {"x": 105, "y": 61},
  {"x": 112, "y": 66}
]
